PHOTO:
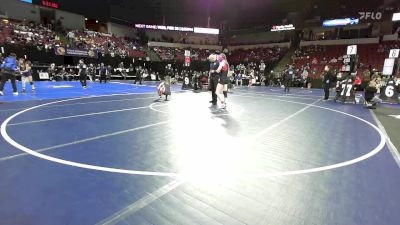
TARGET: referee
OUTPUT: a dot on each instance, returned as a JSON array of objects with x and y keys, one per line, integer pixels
[
  {"x": 169, "y": 72},
  {"x": 139, "y": 75},
  {"x": 82, "y": 73},
  {"x": 213, "y": 77},
  {"x": 327, "y": 82},
  {"x": 288, "y": 77}
]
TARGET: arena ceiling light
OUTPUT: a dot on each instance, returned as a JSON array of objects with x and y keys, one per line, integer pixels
[
  {"x": 396, "y": 16},
  {"x": 201, "y": 30},
  {"x": 340, "y": 22}
]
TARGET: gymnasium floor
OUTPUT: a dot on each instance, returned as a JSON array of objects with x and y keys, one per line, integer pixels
[{"x": 112, "y": 154}]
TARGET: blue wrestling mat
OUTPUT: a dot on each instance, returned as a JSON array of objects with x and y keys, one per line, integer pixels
[{"x": 113, "y": 154}]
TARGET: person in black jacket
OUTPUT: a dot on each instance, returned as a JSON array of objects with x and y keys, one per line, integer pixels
[
  {"x": 139, "y": 74},
  {"x": 213, "y": 77},
  {"x": 82, "y": 73},
  {"x": 288, "y": 77},
  {"x": 103, "y": 73},
  {"x": 169, "y": 72},
  {"x": 329, "y": 78},
  {"x": 9, "y": 68}
]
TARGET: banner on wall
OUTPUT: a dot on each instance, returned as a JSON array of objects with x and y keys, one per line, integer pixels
[{"x": 76, "y": 52}]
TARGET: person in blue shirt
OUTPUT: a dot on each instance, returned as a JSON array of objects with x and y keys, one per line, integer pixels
[{"x": 9, "y": 67}]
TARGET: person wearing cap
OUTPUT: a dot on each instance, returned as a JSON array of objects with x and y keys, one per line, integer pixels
[{"x": 9, "y": 67}]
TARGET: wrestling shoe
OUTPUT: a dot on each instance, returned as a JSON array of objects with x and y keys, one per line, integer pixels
[
  {"x": 223, "y": 105},
  {"x": 15, "y": 93}
]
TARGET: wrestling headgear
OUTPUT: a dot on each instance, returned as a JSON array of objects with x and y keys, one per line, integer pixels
[{"x": 221, "y": 57}]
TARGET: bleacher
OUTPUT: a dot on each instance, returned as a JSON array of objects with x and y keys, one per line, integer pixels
[
  {"x": 371, "y": 56},
  {"x": 257, "y": 55},
  {"x": 169, "y": 54}
]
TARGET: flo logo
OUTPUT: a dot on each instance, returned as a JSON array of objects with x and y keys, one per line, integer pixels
[{"x": 370, "y": 15}]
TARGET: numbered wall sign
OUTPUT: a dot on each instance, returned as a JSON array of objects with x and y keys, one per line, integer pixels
[
  {"x": 352, "y": 50},
  {"x": 389, "y": 92},
  {"x": 394, "y": 53},
  {"x": 186, "y": 83}
]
